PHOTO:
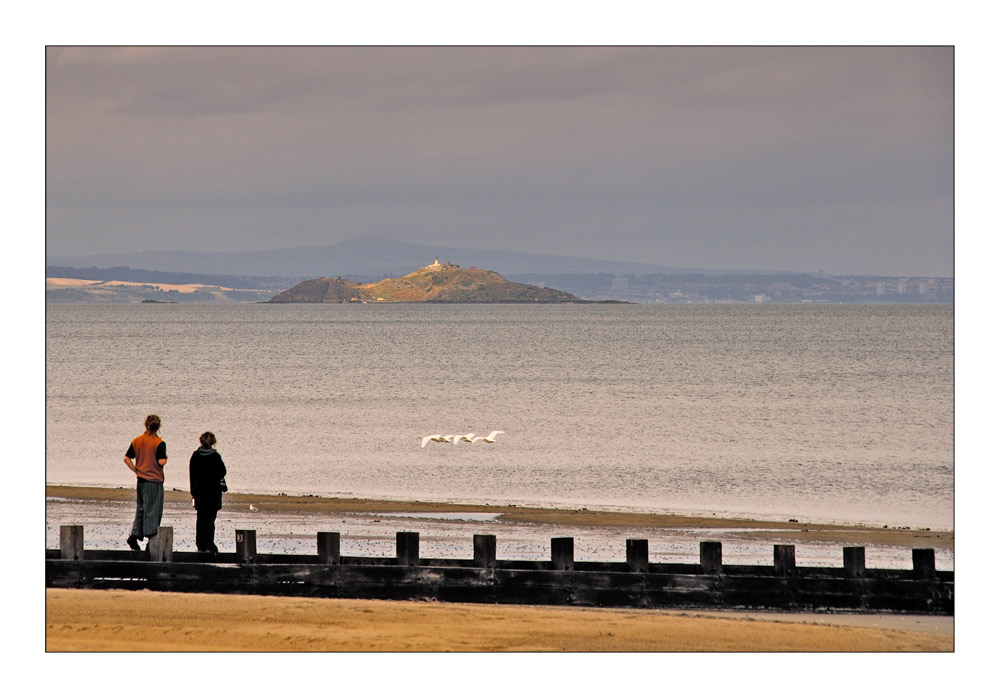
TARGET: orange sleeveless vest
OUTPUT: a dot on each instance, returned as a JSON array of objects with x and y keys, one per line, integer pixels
[{"x": 145, "y": 457}]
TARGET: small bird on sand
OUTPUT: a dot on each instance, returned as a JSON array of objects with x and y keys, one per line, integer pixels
[
  {"x": 488, "y": 439},
  {"x": 253, "y": 508}
]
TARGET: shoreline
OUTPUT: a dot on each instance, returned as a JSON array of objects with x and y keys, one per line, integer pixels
[{"x": 751, "y": 530}]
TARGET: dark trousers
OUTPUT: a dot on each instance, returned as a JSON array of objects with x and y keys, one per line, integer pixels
[
  {"x": 204, "y": 531},
  {"x": 148, "y": 508}
]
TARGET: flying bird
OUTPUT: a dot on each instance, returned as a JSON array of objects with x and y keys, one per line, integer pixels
[
  {"x": 488, "y": 439},
  {"x": 453, "y": 438}
]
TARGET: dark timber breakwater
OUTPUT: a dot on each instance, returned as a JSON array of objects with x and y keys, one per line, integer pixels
[{"x": 561, "y": 580}]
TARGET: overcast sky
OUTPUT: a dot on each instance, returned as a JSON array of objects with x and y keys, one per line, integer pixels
[{"x": 802, "y": 159}]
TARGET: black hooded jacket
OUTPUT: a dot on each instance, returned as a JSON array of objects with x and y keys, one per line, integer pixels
[{"x": 206, "y": 470}]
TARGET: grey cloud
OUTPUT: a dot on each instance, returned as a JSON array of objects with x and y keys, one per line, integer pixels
[{"x": 720, "y": 153}]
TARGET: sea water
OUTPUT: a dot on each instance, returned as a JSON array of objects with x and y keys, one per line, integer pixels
[{"x": 820, "y": 413}]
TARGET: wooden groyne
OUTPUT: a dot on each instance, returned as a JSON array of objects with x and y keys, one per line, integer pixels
[{"x": 561, "y": 580}]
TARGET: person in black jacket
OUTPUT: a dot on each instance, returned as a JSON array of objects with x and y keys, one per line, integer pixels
[{"x": 207, "y": 472}]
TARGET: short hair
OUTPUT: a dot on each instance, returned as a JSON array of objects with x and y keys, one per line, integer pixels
[
  {"x": 153, "y": 423},
  {"x": 207, "y": 439}
]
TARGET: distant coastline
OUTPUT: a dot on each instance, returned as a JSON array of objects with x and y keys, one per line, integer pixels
[{"x": 126, "y": 285}]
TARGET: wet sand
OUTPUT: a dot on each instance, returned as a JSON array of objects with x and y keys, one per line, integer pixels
[{"x": 802, "y": 531}]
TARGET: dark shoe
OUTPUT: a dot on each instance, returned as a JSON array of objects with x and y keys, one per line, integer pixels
[{"x": 133, "y": 542}]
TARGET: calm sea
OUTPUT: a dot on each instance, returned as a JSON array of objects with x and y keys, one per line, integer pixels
[{"x": 822, "y": 413}]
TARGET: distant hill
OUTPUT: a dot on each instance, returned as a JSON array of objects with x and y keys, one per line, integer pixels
[
  {"x": 357, "y": 259},
  {"x": 436, "y": 283}
]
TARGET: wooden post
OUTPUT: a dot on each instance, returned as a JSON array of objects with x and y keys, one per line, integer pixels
[
  {"x": 484, "y": 550},
  {"x": 71, "y": 542},
  {"x": 161, "y": 546},
  {"x": 637, "y": 554},
  {"x": 854, "y": 562},
  {"x": 784, "y": 559},
  {"x": 923, "y": 562},
  {"x": 562, "y": 553},
  {"x": 328, "y": 548},
  {"x": 407, "y": 548},
  {"x": 711, "y": 556},
  {"x": 246, "y": 547}
]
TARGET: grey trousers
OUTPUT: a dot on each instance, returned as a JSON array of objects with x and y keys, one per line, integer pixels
[{"x": 148, "y": 508}]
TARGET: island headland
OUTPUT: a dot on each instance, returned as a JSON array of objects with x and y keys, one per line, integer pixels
[{"x": 435, "y": 283}]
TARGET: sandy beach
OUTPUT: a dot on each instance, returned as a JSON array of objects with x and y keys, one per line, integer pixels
[
  {"x": 133, "y": 621},
  {"x": 85, "y": 620}
]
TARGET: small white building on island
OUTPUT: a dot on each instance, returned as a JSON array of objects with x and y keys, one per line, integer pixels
[{"x": 437, "y": 266}]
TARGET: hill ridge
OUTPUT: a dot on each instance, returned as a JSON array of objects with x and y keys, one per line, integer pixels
[{"x": 434, "y": 283}]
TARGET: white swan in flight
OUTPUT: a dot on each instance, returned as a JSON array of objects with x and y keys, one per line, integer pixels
[
  {"x": 433, "y": 437},
  {"x": 454, "y": 439}
]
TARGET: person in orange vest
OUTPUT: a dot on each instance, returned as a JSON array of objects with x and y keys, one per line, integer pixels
[{"x": 146, "y": 456}]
